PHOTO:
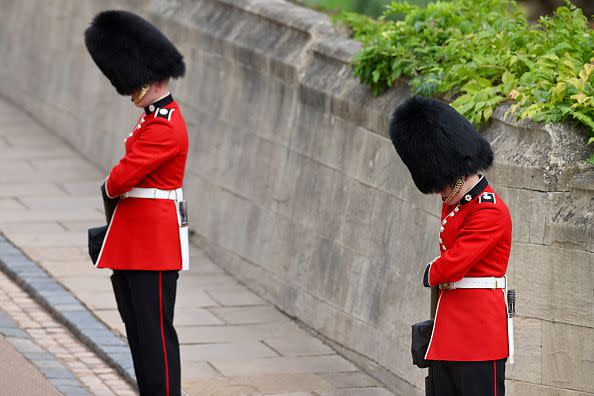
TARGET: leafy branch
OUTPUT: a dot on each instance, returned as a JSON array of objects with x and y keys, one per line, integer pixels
[{"x": 481, "y": 53}]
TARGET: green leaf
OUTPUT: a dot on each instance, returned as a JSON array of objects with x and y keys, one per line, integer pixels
[
  {"x": 508, "y": 79},
  {"x": 487, "y": 113},
  {"x": 558, "y": 93},
  {"x": 375, "y": 76}
]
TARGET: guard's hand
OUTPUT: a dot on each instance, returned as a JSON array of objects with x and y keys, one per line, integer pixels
[{"x": 426, "y": 276}]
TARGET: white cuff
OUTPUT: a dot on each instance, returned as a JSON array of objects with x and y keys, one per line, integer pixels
[{"x": 106, "y": 190}]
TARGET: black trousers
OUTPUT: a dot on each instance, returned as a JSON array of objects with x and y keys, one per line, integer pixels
[
  {"x": 469, "y": 378},
  {"x": 146, "y": 300}
]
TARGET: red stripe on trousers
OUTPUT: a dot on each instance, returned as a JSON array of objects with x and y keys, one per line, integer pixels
[
  {"x": 494, "y": 378},
  {"x": 163, "y": 331}
]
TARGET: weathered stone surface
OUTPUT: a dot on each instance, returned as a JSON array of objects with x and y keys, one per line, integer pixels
[
  {"x": 227, "y": 352},
  {"x": 260, "y": 384},
  {"x": 562, "y": 346},
  {"x": 553, "y": 283},
  {"x": 293, "y": 185},
  {"x": 514, "y": 388},
  {"x": 528, "y": 351},
  {"x": 283, "y": 365}
]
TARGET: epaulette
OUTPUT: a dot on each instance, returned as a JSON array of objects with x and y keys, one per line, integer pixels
[{"x": 164, "y": 113}]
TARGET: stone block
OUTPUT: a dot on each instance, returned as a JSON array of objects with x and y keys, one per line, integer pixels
[
  {"x": 567, "y": 353},
  {"x": 330, "y": 269},
  {"x": 287, "y": 256},
  {"x": 356, "y": 228},
  {"x": 528, "y": 351},
  {"x": 571, "y": 221},
  {"x": 317, "y": 195},
  {"x": 553, "y": 283}
]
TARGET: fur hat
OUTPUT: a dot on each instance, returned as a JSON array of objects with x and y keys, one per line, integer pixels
[
  {"x": 130, "y": 51},
  {"x": 437, "y": 144}
]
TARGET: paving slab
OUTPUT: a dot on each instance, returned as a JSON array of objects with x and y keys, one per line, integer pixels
[
  {"x": 237, "y": 333},
  {"x": 249, "y": 315},
  {"x": 21, "y": 189},
  {"x": 227, "y": 352},
  {"x": 238, "y": 296},
  {"x": 298, "y": 346},
  {"x": 375, "y": 391},
  {"x": 264, "y": 383},
  {"x": 283, "y": 365}
]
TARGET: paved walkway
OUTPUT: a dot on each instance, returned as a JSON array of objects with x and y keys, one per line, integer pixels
[
  {"x": 40, "y": 355},
  {"x": 233, "y": 342},
  {"x": 18, "y": 376}
]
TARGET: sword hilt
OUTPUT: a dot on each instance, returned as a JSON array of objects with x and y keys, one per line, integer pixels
[{"x": 511, "y": 303}]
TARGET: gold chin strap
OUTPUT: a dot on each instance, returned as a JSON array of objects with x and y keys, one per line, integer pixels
[
  {"x": 142, "y": 93},
  {"x": 455, "y": 190}
]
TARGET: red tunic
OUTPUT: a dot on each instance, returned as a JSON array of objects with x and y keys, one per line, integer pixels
[
  {"x": 471, "y": 324},
  {"x": 143, "y": 233}
]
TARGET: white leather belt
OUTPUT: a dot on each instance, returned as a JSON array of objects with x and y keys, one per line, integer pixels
[
  {"x": 154, "y": 193},
  {"x": 476, "y": 283}
]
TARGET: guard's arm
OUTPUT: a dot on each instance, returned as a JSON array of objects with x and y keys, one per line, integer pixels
[
  {"x": 483, "y": 230},
  {"x": 154, "y": 146}
]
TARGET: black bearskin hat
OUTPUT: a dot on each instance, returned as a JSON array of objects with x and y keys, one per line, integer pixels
[
  {"x": 131, "y": 52},
  {"x": 437, "y": 144}
]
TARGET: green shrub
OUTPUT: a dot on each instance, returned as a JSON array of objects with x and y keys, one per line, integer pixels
[
  {"x": 367, "y": 7},
  {"x": 480, "y": 53}
]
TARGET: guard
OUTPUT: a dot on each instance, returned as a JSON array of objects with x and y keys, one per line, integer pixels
[
  {"x": 146, "y": 242},
  {"x": 469, "y": 342}
]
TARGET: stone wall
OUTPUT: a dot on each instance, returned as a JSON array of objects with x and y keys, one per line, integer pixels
[{"x": 295, "y": 189}]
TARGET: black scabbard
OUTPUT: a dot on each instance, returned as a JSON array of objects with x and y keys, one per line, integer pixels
[
  {"x": 434, "y": 298},
  {"x": 429, "y": 387},
  {"x": 109, "y": 204}
]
